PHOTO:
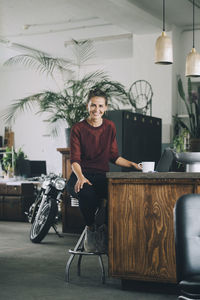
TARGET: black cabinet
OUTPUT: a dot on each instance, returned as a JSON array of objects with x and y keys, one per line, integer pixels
[{"x": 138, "y": 137}]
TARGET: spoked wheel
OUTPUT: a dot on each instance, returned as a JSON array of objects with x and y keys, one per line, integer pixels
[
  {"x": 140, "y": 96},
  {"x": 43, "y": 223}
]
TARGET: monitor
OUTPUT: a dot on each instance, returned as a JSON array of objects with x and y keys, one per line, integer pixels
[{"x": 37, "y": 168}]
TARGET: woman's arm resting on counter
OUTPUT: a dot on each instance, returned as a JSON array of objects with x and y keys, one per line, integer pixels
[{"x": 122, "y": 162}]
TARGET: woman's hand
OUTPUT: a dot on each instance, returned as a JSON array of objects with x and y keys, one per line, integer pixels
[
  {"x": 136, "y": 166},
  {"x": 80, "y": 182},
  {"x": 80, "y": 177}
]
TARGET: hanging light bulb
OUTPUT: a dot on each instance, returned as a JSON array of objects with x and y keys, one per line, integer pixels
[
  {"x": 163, "y": 49},
  {"x": 192, "y": 67}
]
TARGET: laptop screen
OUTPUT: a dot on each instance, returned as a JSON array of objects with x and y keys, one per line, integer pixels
[{"x": 166, "y": 160}]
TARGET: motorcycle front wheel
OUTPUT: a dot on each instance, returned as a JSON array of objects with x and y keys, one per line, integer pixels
[{"x": 43, "y": 223}]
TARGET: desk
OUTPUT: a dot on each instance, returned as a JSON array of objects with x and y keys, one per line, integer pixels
[
  {"x": 141, "y": 234},
  {"x": 15, "y": 199}
]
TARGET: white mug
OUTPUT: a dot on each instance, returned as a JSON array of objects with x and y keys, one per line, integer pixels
[{"x": 147, "y": 166}]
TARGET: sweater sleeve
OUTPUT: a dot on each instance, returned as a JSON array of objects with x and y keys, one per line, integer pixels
[
  {"x": 114, "y": 154},
  {"x": 75, "y": 147}
]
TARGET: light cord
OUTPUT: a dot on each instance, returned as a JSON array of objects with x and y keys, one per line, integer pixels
[
  {"x": 193, "y": 24},
  {"x": 164, "y": 15}
]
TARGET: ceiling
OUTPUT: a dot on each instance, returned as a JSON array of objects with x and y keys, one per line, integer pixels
[{"x": 49, "y": 25}]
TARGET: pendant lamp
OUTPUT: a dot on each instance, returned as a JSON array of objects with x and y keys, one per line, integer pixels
[
  {"x": 163, "y": 49},
  {"x": 192, "y": 67}
]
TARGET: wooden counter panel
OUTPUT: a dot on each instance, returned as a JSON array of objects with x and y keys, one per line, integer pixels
[
  {"x": 155, "y": 181},
  {"x": 13, "y": 208},
  {"x": 197, "y": 189},
  {"x": 1, "y": 207},
  {"x": 15, "y": 200},
  {"x": 141, "y": 244},
  {"x": 14, "y": 189},
  {"x": 72, "y": 220},
  {"x": 3, "y": 189}
]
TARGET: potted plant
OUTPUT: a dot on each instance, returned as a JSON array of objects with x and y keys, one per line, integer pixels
[
  {"x": 69, "y": 103},
  {"x": 180, "y": 141},
  {"x": 13, "y": 161},
  {"x": 192, "y": 123}
]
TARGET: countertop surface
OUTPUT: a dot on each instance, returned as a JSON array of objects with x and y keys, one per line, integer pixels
[
  {"x": 14, "y": 181},
  {"x": 153, "y": 175}
]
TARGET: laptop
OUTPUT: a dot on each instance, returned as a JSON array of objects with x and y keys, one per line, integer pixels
[{"x": 166, "y": 160}]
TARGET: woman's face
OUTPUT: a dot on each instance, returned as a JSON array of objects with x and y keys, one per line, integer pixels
[{"x": 96, "y": 108}]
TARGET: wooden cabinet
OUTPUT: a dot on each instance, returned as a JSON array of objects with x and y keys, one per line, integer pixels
[
  {"x": 72, "y": 220},
  {"x": 141, "y": 229},
  {"x": 15, "y": 199}
]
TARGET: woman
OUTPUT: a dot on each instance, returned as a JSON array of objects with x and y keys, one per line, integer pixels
[{"x": 93, "y": 145}]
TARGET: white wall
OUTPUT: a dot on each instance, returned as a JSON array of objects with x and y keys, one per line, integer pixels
[
  {"x": 186, "y": 43},
  {"x": 125, "y": 65},
  {"x": 177, "y": 65},
  {"x": 158, "y": 76},
  {"x": 31, "y": 132},
  {"x": 176, "y": 70}
]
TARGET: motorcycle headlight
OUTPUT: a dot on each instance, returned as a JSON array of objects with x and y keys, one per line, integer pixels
[{"x": 59, "y": 184}]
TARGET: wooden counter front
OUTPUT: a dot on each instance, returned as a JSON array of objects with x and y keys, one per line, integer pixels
[
  {"x": 141, "y": 235},
  {"x": 72, "y": 220},
  {"x": 15, "y": 200}
]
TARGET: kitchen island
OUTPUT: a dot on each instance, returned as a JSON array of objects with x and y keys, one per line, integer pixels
[{"x": 141, "y": 229}]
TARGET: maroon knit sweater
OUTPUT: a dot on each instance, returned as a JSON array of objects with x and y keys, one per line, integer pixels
[{"x": 93, "y": 147}]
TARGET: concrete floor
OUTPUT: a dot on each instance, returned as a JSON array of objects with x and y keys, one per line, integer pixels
[{"x": 37, "y": 271}]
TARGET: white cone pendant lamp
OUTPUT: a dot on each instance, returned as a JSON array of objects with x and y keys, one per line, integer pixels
[
  {"x": 192, "y": 67},
  {"x": 163, "y": 48}
]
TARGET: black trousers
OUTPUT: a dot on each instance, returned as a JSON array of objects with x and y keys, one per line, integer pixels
[{"x": 90, "y": 195}]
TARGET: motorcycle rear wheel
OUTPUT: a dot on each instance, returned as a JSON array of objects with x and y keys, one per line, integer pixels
[{"x": 40, "y": 228}]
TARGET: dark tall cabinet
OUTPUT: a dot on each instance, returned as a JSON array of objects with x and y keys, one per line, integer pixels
[{"x": 138, "y": 136}]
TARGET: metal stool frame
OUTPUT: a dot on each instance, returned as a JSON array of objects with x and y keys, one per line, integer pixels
[{"x": 79, "y": 250}]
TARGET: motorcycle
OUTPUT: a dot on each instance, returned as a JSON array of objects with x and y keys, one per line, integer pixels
[{"x": 43, "y": 213}]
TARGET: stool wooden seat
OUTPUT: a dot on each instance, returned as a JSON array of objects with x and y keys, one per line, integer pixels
[{"x": 79, "y": 250}]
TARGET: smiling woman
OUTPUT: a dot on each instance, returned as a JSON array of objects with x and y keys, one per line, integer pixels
[
  {"x": 92, "y": 146},
  {"x": 97, "y": 106}
]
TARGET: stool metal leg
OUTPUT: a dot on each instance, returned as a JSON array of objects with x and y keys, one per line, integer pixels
[
  {"x": 79, "y": 250},
  {"x": 78, "y": 244},
  {"x": 79, "y": 265},
  {"x": 102, "y": 269},
  {"x": 68, "y": 267}
]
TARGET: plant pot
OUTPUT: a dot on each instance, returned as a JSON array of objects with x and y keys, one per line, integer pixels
[
  {"x": 195, "y": 145},
  {"x": 67, "y": 136}
]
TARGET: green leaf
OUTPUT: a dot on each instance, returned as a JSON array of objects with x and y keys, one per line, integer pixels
[
  {"x": 69, "y": 103},
  {"x": 181, "y": 90},
  {"x": 39, "y": 62}
]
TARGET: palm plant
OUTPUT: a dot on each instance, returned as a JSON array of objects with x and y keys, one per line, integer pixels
[{"x": 69, "y": 103}]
